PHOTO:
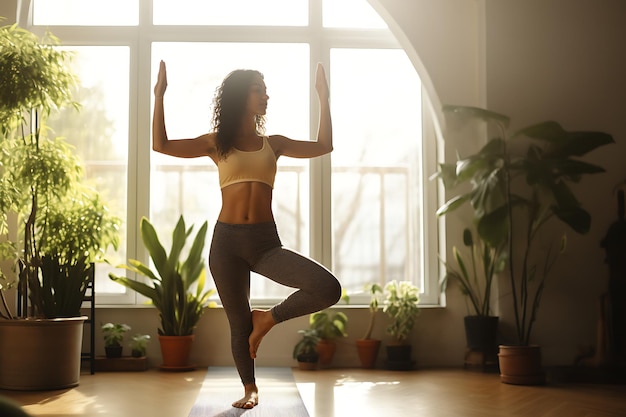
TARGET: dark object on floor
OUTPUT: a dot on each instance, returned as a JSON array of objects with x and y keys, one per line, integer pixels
[
  {"x": 614, "y": 244},
  {"x": 9, "y": 408}
]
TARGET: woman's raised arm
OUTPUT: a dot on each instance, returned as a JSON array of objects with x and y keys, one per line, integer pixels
[
  {"x": 184, "y": 148},
  {"x": 324, "y": 143}
]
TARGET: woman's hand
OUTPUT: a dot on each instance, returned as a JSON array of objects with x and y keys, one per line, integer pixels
[
  {"x": 161, "y": 84},
  {"x": 324, "y": 143},
  {"x": 321, "y": 85}
]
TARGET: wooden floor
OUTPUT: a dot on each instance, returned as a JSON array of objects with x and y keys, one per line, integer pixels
[{"x": 336, "y": 393}]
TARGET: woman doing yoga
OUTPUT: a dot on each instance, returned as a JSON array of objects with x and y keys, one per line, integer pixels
[{"x": 245, "y": 238}]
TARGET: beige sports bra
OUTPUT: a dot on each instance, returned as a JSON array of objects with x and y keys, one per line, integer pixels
[{"x": 244, "y": 166}]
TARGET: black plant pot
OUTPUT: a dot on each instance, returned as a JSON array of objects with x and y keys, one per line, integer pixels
[
  {"x": 137, "y": 353},
  {"x": 308, "y": 362},
  {"x": 481, "y": 333},
  {"x": 399, "y": 358},
  {"x": 113, "y": 351}
]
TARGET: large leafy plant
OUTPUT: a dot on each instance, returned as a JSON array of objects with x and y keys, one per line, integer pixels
[
  {"x": 519, "y": 182},
  {"x": 177, "y": 288},
  {"x": 64, "y": 225}
]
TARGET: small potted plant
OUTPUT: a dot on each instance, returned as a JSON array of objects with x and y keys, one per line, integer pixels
[
  {"x": 474, "y": 273},
  {"x": 329, "y": 326},
  {"x": 366, "y": 346},
  {"x": 305, "y": 351},
  {"x": 113, "y": 336},
  {"x": 177, "y": 289},
  {"x": 138, "y": 345},
  {"x": 401, "y": 305}
]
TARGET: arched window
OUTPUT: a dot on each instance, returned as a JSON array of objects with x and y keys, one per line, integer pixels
[{"x": 360, "y": 210}]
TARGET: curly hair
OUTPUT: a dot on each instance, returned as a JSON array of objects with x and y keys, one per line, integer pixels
[{"x": 229, "y": 105}]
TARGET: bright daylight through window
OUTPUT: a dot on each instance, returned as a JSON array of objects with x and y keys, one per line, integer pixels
[{"x": 361, "y": 210}]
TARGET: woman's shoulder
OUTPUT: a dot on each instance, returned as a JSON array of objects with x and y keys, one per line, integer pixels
[
  {"x": 275, "y": 139},
  {"x": 210, "y": 139},
  {"x": 276, "y": 142},
  {"x": 208, "y": 142},
  {"x": 211, "y": 136}
]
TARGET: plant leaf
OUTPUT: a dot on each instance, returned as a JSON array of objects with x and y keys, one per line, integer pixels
[{"x": 476, "y": 112}]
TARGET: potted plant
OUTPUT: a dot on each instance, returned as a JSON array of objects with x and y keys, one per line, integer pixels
[
  {"x": 367, "y": 347},
  {"x": 113, "y": 336},
  {"x": 328, "y": 326},
  {"x": 42, "y": 184},
  {"x": 139, "y": 345},
  {"x": 401, "y": 305},
  {"x": 305, "y": 351},
  {"x": 474, "y": 274},
  {"x": 177, "y": 289},
  {"x": 519, "y": 182}
]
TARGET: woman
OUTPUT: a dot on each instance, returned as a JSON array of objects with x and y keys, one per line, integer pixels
[{"x": 245, "y": 237}]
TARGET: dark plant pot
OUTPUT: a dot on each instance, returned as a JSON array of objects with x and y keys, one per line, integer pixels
[
  {"x": 113, "y": 351},
  {"x": 368, "y": 352},
  {"x": 399, "y": 358},
  {"x": 136, "y": 353},
  {"x": 521, "y": 365},
  {"x": 481, "y": 333},
  {"x": 308, "y": 362}
]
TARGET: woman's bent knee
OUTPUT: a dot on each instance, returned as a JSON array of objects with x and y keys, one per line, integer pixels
[{"x": 331, "y": 291}]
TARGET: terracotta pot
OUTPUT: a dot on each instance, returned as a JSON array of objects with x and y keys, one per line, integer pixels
[
  {"x": 326, "y": 349},
  {"x": 40, "y": 354},
  {"x": 368, "y": 352},
  {"x": 521, "y": 365},
  {"x": 175, "y": 351}
]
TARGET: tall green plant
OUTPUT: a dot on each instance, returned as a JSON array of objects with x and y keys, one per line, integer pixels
[
  {"x": 520, "y": 181},
  {"x": 33, "y": 77},
  {"x": 63, "y": 223},
  {"x": 171, "y": 291},
  {"x": 375, "y": 291}
]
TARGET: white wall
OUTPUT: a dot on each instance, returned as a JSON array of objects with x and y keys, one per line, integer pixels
[
  {"x": 565, "y": 60},
  {"x": 7, "y": 10}
]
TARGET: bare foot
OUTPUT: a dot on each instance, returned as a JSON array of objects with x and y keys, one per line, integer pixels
[
  {"x": 262, "y": 322},
  {"x": 250, "y": 399}
]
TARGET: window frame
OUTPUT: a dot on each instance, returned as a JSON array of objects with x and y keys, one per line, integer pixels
[{"x": 321, "y": 40}]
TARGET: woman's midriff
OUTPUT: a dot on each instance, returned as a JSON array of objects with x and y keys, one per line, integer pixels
[{"x": 246, "y": 203}]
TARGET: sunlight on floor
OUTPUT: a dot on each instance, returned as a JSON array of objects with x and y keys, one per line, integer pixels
[
  {"x": 57, "y": 404},
  {"x": 342, "y": 397}
]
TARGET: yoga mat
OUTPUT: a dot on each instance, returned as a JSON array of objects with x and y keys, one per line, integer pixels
[{"x": 278, "y": 394}]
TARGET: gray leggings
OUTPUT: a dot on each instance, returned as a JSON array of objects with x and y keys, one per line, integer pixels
[{"x": 236, "y": 250}]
